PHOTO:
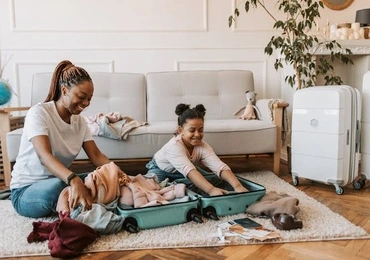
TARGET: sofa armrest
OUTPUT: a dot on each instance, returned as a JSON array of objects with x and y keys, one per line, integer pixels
[
  {"x": 267, "y": 108},
  {"x": 8, "y": 123}
]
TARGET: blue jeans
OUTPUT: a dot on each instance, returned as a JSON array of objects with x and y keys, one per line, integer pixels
[
  {"x": 40, "y": 198},
  {"x": 153, "y": 169}
]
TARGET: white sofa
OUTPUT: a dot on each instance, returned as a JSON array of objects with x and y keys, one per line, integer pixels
[{"x": 153, "y": 97}]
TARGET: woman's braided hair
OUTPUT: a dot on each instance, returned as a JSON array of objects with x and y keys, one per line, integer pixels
[
  {"x": 68, "y": 75},
  {"x": 184, "y": 113}
]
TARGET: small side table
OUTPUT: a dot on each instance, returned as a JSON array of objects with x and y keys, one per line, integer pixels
[{"x": 8, "y": 123}]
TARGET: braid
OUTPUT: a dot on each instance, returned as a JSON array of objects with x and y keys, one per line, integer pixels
[
  {"x": 68, "y": 75},
  {"x": 184, "y": 113}
]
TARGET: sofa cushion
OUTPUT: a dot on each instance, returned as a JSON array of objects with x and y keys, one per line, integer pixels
[
  {"x": 226, "y": 137},
  {"x": 221, "y": 92},
  {"x": 113, "y": 92},
  {"x": 140, "y": 145}
]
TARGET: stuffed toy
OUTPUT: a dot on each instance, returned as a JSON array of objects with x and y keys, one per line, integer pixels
[{"x": 250, "y": 110}]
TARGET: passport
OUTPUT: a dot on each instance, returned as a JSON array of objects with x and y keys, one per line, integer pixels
[{"x": 247, "y": 223}]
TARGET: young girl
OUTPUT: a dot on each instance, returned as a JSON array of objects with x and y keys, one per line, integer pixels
[{"x": 180, "y": 157}]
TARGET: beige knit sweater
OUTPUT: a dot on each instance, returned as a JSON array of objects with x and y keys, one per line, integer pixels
[{"x": 104, "y": 184}]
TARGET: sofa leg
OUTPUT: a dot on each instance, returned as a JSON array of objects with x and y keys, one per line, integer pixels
[
  {"x": 277, "y": 163},
  {"x": 278, "y": 120}
]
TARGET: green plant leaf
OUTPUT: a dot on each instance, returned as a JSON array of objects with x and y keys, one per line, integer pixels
[
  {"x": 246, "y": 6},
  {"x": 230, "y": 20},
  {"x": 296, "y": 46}
]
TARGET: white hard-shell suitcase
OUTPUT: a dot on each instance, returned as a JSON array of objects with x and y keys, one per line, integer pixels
[
  {"x": 365, "y": 126},
  {"x": 326, "y": 131}
]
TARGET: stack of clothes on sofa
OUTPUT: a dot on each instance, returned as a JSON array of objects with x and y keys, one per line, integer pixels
[{"x": 112, "y": 125}]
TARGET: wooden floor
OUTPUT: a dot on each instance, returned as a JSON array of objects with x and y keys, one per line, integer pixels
[{"x": 353, "y": 205}]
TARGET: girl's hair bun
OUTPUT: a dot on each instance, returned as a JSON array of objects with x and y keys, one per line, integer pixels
[
  {"x": 201, "y": 110},
  {"x": 181, "y": 108}
]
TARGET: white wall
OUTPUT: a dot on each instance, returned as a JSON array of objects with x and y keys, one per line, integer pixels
[{"x": 139, "y": 36}]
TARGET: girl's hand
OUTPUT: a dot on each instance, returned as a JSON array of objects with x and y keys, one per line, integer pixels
[
  {"x": 79, "y": 194},
  {"x": 217, "y": 191},
  {"x": 240, "y": 188}
]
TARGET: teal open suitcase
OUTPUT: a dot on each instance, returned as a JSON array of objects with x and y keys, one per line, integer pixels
[
  {"x": 227, "y": 204},
  {"x": 198, "y": 204},
  {"x": 164, "y": 215}
]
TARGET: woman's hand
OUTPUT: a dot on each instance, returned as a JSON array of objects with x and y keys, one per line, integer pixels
[{"x": 79, "y": 194}]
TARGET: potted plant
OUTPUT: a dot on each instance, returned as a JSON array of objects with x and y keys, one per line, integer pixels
[{"x": 296, "y": 44}]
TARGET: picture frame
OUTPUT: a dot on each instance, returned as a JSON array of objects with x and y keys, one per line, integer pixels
[{"x": 337, "y": 4}]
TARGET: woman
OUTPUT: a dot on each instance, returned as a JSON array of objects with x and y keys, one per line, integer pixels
[
  {"x": 181, "y": 156},
  {"x": 54, "y": 132}
]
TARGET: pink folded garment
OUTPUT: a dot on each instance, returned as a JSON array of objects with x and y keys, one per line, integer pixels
[{"x": 143, "y": 192}]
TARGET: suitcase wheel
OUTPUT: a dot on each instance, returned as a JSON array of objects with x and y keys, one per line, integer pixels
[
  {"x": 339, "y": 190},
  {"x": 295, "y": 181},
  {"x": 359, "y": 183},
  {"x": 193, "y": 215},
  {"x": 210, "y": 212},
  {"x": 130, "y": 225}
]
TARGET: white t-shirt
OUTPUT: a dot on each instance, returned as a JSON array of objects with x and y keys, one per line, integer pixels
[
  {"x": 174, "y": 156},
  {"x": 65, "y": 139}
]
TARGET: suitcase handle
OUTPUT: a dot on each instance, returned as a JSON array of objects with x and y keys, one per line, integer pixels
[{"x": 358, "y": 136}]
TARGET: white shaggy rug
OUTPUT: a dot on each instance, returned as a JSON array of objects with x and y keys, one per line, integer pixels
[{"x": 319, "y": 223}]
